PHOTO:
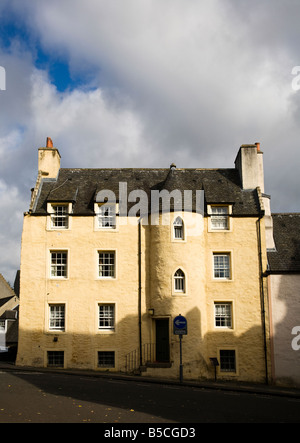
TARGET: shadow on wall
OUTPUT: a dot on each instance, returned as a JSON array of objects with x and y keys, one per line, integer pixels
[{"x": 103, "y": 351}]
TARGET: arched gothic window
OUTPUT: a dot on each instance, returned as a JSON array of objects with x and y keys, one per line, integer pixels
[
  {"x": 179, "y": 281},
  {"x": 178, "y": 228}
]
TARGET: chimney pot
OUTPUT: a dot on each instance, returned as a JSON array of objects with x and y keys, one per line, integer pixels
[
  {"x": 49, "y": 143},
  {"x": 257, "y": 146}
]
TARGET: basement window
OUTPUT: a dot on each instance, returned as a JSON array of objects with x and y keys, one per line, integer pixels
[
  {"x": 227, "y": 361},
  {"x": 106, "y": 359},
  {"x": 55, "y": 359}
]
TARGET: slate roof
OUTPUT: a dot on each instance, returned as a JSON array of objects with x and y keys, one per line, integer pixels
[
  {"x": 81, "y": 186},
  {"x": 3, "y": 301},
  {"x": 286, "y": 232}
]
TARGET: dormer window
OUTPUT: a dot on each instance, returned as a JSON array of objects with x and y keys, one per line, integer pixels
[
  {"x": 59, "y": 216},
  {"x": 106, "y": 216},
  {"x": 220, "y": 219}
]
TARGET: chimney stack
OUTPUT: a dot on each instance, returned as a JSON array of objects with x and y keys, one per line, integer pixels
[
  {"x": 49, "y": 160},
  {"x": 249, "y": 163}
]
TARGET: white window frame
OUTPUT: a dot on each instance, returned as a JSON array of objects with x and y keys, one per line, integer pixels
[
  {"x": 110, "y": 317},
  {"x": 222, "y": 269},
  {"x": 57, "y": 318},
  {"x": 3, "y": 330},
  {"x": 66, "y": 265},
  {"x": 110, "y": 252},
  {"x": 178, "y": 224},
  {"x": 179, "y": 283},
  {"x": 213, "y": 217},
  {"x": 65, "y": 216},
  {"x": 226, "y": 317}
]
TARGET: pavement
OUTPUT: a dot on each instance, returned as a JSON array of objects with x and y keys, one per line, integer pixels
[{"x": 242, "y": 387}]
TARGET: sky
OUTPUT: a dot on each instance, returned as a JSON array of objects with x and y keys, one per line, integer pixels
[{"x": 145, "y": 83}]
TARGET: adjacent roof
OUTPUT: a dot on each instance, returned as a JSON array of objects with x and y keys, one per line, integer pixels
[
  {"x": 3, "y": 301},
  {"x": 81, "y": 186},
  {"x": 12, "y": 325},
  {"x": 10, "y": 314},
  {"x": 286, "y": 232},
  {"x": 5, "y": 289}
]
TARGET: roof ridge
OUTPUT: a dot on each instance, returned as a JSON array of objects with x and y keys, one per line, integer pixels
[
  {"x": 285, "y": 213},
  {"x": 147, "y": 169}
]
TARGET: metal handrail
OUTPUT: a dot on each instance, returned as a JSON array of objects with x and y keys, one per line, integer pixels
[{"x": 133, "y": 358}]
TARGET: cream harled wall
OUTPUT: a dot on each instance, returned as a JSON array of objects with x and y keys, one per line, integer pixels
[
  {"x": 194, "y": 256},
  {"x": 83, "y": 290}
]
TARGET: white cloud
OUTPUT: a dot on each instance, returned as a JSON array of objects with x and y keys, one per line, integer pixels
[
  {"x": 10, "y": 230},
  {"x": 85, "y": 124}
]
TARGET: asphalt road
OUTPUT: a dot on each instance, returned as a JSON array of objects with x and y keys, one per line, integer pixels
[{"x": 37, "y": 397}]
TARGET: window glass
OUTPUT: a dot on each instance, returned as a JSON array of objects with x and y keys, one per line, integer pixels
[
  {"x": 106, "y": 264},
  {"x": 178, "y": 228},
  {"x": 179, "y": 281},
  {"x": 219, "y": 217},
  {"x": 106, "y": 359},
  {"x": 106, "y": 316},
  {"x": 227, "y": 361},
  {"x": 55, "y": 359},
  {"x": 223, "y": 315},
  {"x": 59, "y": 264},
  {"x": 107, "y": 216},
  {"x": 222, "y": 266},
  {"x": 57, "y": 317},
  {"x": 60, "y": 217}
]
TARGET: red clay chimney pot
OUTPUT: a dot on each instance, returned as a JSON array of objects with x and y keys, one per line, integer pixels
[{"x": 49, "y": 143}]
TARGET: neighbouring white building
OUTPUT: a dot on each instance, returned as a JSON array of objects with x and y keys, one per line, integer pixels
[{"x": 284, "y": 299}]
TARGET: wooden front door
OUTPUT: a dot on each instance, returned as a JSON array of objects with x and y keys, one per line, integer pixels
[{"x": 162, "y": 340}]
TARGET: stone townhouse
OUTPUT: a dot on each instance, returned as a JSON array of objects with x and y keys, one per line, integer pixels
[{"x": 110, "y": 257}]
